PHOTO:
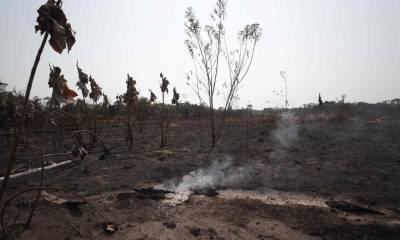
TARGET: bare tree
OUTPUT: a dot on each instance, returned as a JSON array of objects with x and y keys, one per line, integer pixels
[
  {"x": 283, "y": 93},
  {"x": 164, "y": 114},
  {"x": 60, "y": 94},
  {"x": 132, "y": 101},
  {"x": 284, "y": 77},
  {"x": 95, "y": 95},
  {"x": 83, "y": 80},
  {"x": 205, "y": 47},
  {"x": 175, "y": 98}
]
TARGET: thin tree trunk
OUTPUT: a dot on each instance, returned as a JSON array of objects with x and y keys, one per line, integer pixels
[
  {"x": 95, "y": 123},
  {"x": 247, "y": 129},
  {"x": 21, "y": 126},
  {"x": 162, "y": 144},
  {"x": 87, "y": 119},
  {"x": 212, "y": 125},
  {"x": 94, "y": 129}
]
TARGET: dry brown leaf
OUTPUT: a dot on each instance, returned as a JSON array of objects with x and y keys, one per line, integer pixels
[
  {"x": 52, "y": 19},
  {"x": 110, "y": 227},
  {"x": 61, "y": 91}
]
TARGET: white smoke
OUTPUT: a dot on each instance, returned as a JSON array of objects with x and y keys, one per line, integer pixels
[
  {"x": 219, "y": 174},
  {"x": 287, "y": 131}
]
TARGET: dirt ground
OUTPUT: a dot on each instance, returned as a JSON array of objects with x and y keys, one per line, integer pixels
[{"x": 334, "y": 180}]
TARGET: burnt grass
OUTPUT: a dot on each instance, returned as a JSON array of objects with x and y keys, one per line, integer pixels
[{"x": 357, "y": 159}]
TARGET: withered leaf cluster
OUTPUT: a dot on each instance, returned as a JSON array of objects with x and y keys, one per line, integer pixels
[
  {"x": 52, "y": 19},
  {"x": 57, "y": 82},
  {"x": 164, "y": 83},
  {"x": 131, "y": 95},
  {"x": 153, "y": 97},
  {"x": 95, "y": 92},
  {"x": 175, "y": 98},
  {"x": 83, "y": 81}
]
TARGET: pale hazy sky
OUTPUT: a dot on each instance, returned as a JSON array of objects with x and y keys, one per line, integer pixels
[{"x": 330, "y": 46}]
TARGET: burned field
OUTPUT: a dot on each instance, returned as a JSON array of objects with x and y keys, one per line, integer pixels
[
  {"x": 77, "y": 165},
  {"x": 314, "y": 179}
]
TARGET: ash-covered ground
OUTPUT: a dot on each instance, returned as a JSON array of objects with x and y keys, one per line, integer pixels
[{"x": 292, "y": 178}]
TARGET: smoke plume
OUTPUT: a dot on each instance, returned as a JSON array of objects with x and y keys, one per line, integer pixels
[
  {"x": 219, "y": 174},
  {"x": 287, "y": 131}
]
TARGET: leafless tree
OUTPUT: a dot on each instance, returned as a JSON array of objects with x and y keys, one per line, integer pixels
[
  {"x": 207, "y": 47},
  {"x": 164, "y": 114},
  {"x": 131, "y": 100},
  {"x": 284, "y": 77},
  {"x": 95, "y": 94}
]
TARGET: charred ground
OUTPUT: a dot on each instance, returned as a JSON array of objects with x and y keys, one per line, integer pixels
[{"x": 356, "y": 160}]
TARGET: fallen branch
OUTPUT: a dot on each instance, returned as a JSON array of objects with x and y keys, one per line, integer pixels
[{"x": 34, "y": 170}]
